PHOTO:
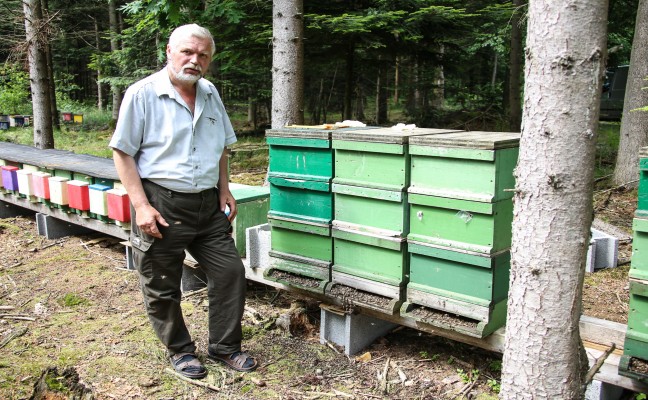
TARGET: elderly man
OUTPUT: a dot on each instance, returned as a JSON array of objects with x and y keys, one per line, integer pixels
[{"x": 170, "y": 151}]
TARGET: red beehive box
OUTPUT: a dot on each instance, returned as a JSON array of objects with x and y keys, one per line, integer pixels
[
  {"x": 40, "y": 180},
  {"x": 118, "y": 205},
  {"x": 78, "y": 195}
]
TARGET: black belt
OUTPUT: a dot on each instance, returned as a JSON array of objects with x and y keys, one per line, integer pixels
[{"x": 174, "y": 193}]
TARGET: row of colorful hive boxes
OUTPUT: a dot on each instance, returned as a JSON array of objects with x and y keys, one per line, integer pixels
[
  {"x": 106, "y": 201},
  {"x": 636, "y": 340}
]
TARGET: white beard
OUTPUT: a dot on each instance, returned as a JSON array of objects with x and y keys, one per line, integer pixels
[{"x": 183, "y": 76}]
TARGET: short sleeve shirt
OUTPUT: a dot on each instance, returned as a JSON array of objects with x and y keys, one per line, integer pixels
[{"x": 171, "y": 146}]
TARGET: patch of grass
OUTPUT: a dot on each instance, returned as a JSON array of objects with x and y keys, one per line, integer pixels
[
  {"x": 8, "y": 226},
  {"x": 607, "y": 274},
  {"x": 73, "y": 300},
  {"x": 607, "y": 144}
]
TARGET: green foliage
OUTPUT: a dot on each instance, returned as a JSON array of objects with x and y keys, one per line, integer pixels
[
  {"x": 14, "y": 90},
  {"x": 468, "y": 377},
  {"x": 494, "y": 385},
  {"x": 495, "y": 365},
  {"x": 55, "y": 384},
  {"x": 73, "y": 300}
]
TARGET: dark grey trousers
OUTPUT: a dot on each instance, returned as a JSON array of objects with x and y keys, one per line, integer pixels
[{"x": 197, "y": 225}]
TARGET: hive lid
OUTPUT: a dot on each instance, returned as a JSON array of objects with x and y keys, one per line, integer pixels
[
  {"x": 311, "y": 131},
  {"x": 59, "y": 159},
  {"x": 386, "y": 135},
  {"x": 643, "y": 152},
  {"x": 470, "y": 139}
]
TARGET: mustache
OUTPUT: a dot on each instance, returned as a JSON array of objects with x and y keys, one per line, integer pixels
[{"x": 192, "y": 66}]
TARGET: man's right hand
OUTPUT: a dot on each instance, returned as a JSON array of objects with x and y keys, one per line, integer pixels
[{"x": 148, "y": 218}]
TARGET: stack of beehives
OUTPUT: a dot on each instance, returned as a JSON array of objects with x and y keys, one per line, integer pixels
[
  {"x": 635, "y": 352},
  {"x": 419, "y": 218}
]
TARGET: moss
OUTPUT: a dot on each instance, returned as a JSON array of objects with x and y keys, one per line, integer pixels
[{"x": 73, "y": 300}]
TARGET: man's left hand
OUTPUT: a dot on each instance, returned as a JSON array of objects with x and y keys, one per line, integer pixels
[{"x": 226, "y": 199}]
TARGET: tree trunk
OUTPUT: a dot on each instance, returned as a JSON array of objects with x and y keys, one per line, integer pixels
[
  {"x": 543, "y": 355},
  {"x": 114, "y": 46},
  {"x": 100, "y": 99},
  {"x": 634, "y": 124},
  {"x": 396, "y": 79},
  {"x": 348, "y": 83},
  {"x": 50, "y": 73},
  {"x": 515, "y": 69},
  {"x": 438, "y": 90},
  {"x": 36, "y": 34},
  {"x": 252, "y": 113},
  {"x": 287, "y": 63},
  {"x": 381, "y": 94}
]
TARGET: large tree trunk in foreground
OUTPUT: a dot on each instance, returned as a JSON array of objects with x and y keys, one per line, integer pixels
[
  {"x": 634, "y": 124},
  {"x": 36, "y": 34},
  {"x": 116, "y": 90},
  {"x": 544, "y": 357},
  {"x": 515, "y": 68},
  {"x": 287, "y": 63}
]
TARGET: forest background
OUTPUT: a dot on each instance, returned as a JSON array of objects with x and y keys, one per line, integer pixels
[{"x": 433, "y": 63}]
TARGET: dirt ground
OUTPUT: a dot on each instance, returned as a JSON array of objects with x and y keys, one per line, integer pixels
[{"x": 70, "y": 303}]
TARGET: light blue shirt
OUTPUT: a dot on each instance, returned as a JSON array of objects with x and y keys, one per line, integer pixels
[{"x": 172, "y": 147}]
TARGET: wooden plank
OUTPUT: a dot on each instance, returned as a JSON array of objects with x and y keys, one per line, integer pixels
[
  {"x": 386, "y": 135},
  {"x": 90, "y": 223},
  {"x": 59, "y": 159}
]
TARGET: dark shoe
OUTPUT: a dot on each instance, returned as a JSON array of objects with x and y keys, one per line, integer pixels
[
  {"x": 187, "y": 364},
  {"x": 239, "y": 361}
]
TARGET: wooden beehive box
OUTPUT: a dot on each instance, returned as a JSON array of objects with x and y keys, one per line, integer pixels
[
  {"x": 306, "y": 200},
  {"x": 305, "y": 242},
  {"x": 475, "y": 166},
  {"x": 300, "y": 153},
  {"x": 376, "y": 158}
]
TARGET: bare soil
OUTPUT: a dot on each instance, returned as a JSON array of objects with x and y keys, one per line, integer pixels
[{"x": 70, "y": 303}]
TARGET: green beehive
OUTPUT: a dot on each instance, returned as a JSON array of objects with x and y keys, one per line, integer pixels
[
  {"x": 475, "y": 166},
  {"x": 253, "y": 203},
  {"x": 461, "y": 224},
  {"x": 377, "y": 158},
  {"x": 371, "y": 258},
  {"x": 636, "y": 340},
  {"x": 465, "y": 284},
  {"x": 300, "y": 154},
  {"x": 642, "y": 196},
  {"x": 305, "y": 200},
  {"x": 639, "y": 264},
  {"x": 383, "y": 212},
  {"x": 301, "y": 254},
  {"x": 309, "y": 243}
]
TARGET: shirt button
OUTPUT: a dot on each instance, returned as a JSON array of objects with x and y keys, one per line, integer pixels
[{"x": 196, "y": 167}]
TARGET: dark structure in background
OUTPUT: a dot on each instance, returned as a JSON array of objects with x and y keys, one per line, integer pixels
[{"x": 613, "y": 93}]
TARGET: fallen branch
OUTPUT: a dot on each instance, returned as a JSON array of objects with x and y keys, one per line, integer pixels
[
  {"x": 11, "y": 336},
  {"x": 383, "y": 377},
  {"x": 194, "y": 293},
  {"x": 99, "y": 254},
  {"x": 598, "y": 364},
  {"x": 19, "y": 317},
  {"x": 192, "y": 381}
]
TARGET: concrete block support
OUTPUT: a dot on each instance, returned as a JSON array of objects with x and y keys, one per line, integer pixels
[
  {"x": 53, "y": 228},
  {"x": 603, "y": 251},
  {"x": 8, "y": 210},
  {"x": 598, "y": 390},
  {"x": 193, "y": 278},
  {"x": 354, "y": 332},
  {"x": 257, "y": 243}
]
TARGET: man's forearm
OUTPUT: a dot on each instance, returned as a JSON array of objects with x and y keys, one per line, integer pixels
[{"x": 127, "y": 171}]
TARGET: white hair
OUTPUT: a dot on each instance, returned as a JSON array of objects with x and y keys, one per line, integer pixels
[{"x": 189, "y": 30}]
